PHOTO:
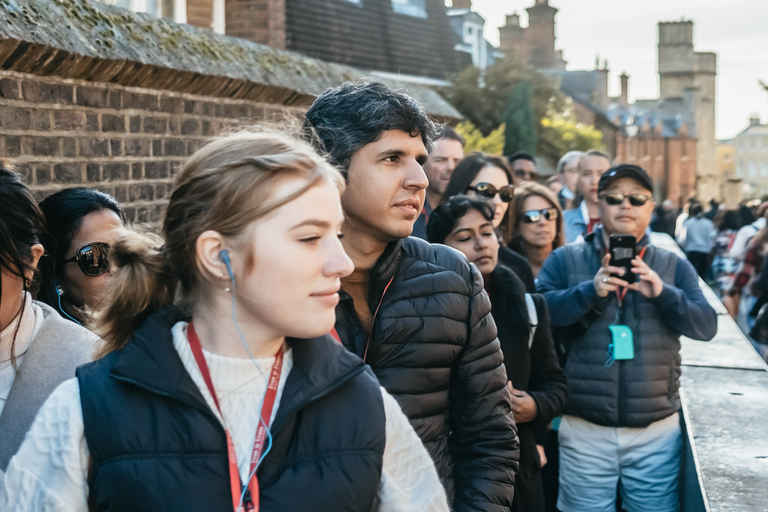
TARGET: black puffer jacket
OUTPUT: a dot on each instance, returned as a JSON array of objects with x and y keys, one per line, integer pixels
[{"x": 433, "y": 346}]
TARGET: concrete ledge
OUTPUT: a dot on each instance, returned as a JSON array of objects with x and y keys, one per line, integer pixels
[
  {"x": 93, "y": 41},
  {"x": 724, "y": 392}
]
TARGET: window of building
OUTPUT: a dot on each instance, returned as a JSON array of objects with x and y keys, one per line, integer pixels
[
  {"x": 765, "y": 143},
  {"x": 752, "y": 170},
  {"x": 740, "y": 169},
  {"x": 752, "y": 143},
  {"x": 415, "y": 8},
  {"x": 764, "y": 169},
  {"x": 175, "y": 10}
]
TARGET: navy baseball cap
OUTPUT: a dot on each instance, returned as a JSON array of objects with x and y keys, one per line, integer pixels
[{"x": 625, "y": 171}]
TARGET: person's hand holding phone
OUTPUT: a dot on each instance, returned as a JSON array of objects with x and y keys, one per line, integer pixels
[
  {"x": 604, "y": 281},
  {"x": 649, "y": 283}
]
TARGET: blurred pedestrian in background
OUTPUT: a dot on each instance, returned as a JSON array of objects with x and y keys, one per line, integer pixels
[
  {"x": 700, "y": 235},
  {"x": 523, "y": 168},
  {"x": 444, "y": 155},
  {"x": 665, "y": 218},
  {"x": 581, "y": 220},
  {"x": 723, "y": 268},
  {"x": 568, "y": 172}
]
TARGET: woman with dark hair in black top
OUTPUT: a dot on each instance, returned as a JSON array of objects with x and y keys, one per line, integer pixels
[
  {"x": 535, "y": 379},
  {"x": 490, "y": 178}
]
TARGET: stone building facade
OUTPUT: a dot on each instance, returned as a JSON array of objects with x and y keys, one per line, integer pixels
[
  {"x": 750, "y": 155},
  {"x": 686, "y": 102},
  {"x": 97, "y": 96},
  {"x": 669, "y": 157}
]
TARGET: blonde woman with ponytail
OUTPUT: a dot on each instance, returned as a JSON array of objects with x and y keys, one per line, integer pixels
[{"x": 218, "y": 387}]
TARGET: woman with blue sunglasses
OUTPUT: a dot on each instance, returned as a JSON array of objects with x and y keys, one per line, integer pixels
[{"x": 538, "y": 225}]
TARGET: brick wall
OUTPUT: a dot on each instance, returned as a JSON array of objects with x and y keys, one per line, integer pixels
[
  {"x": 261, "y": 21},
  {"x": 670, "y": 161},
  {"x": 125, "y": 141}
]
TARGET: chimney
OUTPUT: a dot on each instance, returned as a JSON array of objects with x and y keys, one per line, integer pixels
[
  {"x": 754, "y": 120},
  {"x": 462, "y": 4},
  {"x": 624, "y": 96}
]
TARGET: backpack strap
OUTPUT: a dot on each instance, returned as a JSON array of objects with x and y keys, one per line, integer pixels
[{"x": 533, "y": 317}]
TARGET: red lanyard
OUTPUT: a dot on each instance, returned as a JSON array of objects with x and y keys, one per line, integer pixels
[
  {"x": 251, "y": 500},
  {"x": 624, "y": 290},
  {"x": 335, "y": 333}
]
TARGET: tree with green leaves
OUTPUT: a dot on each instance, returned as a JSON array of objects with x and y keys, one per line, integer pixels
[
  {"x": 563, "y": 134},
  {"x": 483, "y": 97},
  {"x": 521, "y": 133},
  {"x": 474, "y": 140}
]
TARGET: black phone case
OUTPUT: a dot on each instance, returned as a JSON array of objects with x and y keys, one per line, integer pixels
[{"x": 623, "y": 242}]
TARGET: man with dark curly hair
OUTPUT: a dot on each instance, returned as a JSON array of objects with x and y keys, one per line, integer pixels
[{"x": 416, "y": 312}]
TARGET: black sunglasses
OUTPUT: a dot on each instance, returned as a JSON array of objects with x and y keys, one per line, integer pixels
[
  {"x": 526, "y": 175},
  {"x": 634, "y": 199},
  {"x": 506, "y": 193},
  {"x": 534, "y": 216},
  {"x": 92, "y": 259}
]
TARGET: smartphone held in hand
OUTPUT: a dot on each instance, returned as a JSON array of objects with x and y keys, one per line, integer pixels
[{"x": 622, "y": 250}]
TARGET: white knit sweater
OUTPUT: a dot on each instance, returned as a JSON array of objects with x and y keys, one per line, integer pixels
[{"x": 50, "y": 471}]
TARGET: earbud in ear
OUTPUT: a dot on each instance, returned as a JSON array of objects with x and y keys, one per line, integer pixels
[
  {"x": 59, "y": 289},
  {"x": 224, "y": 256}
]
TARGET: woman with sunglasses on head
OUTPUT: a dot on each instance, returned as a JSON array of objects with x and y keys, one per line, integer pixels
[
  {"x": 38, "y": 349},
  {"x": 82, "y": 224},
  {"x": 490, "y": 178},
  {"x": 538, "y": 227},
  {"x": 219, "y": 387},
  {"x": 535, "y": 379}
]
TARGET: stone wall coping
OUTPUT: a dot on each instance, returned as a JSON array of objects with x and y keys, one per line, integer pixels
[
  {"x": 89, "y": 40},
  {"x": 723, "y": 390}
]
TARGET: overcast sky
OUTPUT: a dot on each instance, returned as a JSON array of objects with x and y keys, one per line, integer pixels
[{"x": 626, "y": 33}]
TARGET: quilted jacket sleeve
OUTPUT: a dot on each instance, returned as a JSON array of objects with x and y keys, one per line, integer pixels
[{"x": 484, "y": 441}]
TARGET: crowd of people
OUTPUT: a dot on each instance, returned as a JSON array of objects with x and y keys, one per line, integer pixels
[
  {"x": 728, "y": 247},
  {"x": 357, "y": 316}
]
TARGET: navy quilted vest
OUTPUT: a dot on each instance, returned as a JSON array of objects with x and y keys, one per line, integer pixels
[{"x": 155, "y": 444}]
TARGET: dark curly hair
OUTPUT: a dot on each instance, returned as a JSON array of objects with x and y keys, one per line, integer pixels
[
  {"x": 446, "y": 216},
  {"x": 345, "y": 118},
  {"x": 21, "y": 223}
]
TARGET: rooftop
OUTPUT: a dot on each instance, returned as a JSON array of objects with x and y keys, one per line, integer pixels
[{"x": 94, "y": 41}]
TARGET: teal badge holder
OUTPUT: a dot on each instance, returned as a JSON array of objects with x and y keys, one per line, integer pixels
[{"x": 622, "y": 342}]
